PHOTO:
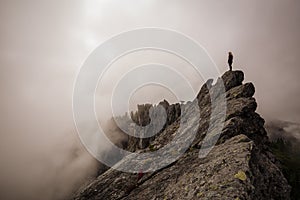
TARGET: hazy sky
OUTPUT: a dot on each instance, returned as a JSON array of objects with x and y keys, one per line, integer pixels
[{"x": 44, "y": 43}]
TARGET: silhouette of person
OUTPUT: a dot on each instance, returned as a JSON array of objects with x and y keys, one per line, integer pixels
[{"x": 230, "y": 60}]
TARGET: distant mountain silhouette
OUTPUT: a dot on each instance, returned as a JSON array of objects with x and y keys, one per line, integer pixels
[{"x": 285, "y": 144}]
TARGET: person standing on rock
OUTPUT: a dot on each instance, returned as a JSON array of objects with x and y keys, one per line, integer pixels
[{"x": 230, "y": 60}]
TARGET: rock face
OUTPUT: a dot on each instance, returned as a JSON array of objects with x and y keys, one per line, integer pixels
[{"x": 239, "y": 166}]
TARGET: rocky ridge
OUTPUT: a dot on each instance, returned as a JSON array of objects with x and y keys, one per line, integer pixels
[{"x": 239, "y": 166}]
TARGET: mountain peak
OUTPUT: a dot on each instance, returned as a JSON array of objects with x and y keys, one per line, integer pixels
[{"x": 239, "y": 166}]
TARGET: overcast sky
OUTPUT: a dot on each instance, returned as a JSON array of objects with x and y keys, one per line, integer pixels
[{"x": 44, "y": 43}]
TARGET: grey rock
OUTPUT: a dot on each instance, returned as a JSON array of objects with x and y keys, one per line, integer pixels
[{"x": 232, "y": 79}]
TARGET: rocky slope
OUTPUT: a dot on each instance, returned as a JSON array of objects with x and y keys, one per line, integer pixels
[{"x": 239, "y": 166}]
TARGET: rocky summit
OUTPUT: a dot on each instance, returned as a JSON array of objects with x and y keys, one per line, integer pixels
[{"x": 238, "y": 166}]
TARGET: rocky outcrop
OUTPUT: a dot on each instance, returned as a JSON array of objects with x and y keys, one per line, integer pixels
[
  {"x": 162, "y": 116},
  {"x": 239, "y": 166}
]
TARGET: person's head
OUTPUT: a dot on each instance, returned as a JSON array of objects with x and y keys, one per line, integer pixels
[{"x": 230, "y": 53}]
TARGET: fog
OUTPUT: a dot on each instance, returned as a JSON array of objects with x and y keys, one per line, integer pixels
[{"x": 43, "y": 44}]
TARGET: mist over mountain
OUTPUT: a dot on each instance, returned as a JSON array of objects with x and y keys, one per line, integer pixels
[{"x": 44, "y": 43}]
